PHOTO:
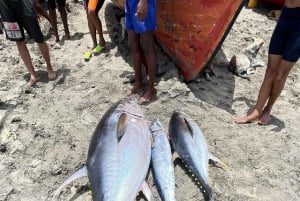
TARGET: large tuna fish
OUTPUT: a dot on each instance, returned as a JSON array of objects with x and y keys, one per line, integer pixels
[
  {"x": 161, "y": 162},
  {"x": 119, "y": 154},
  {"x": 188, "y": 141}
]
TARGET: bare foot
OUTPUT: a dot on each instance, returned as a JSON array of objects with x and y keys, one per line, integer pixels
[
  {"x": 264, "y": 118},
  {"x": 67, "y": 37},
  {"x": 251, "y": 118},
  {"x": 53, "y": 41},
  {"x": 33, "y": 80},
  {"x": 134, "y": 90},
  {"x": 51, "y": 75},
  {"x": 147, "y": 97}
]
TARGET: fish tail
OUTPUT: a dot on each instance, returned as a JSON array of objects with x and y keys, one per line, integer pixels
[
  {"x": 78, "y": 174},
  {"x": 215, "y": 159},
  {"x": 209, "y": 192}
]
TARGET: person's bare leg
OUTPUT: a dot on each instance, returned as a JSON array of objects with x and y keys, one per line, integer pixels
[
  {"x": 24, "y": 53},
  {"x": 147, "y": 45},
  {"x": 53, "y": 17},
  {"x": 64, "y": 19},
  {"x": 265, "y": 91},
  {"x": 92, "y": 28},
  {"x": 133, "y": 40},
  {"x": 45, "y": 52},
  {"x": 283, "y": 71},
  {"x": 95, "y": 20},
  {"x": 40, "y": 10}
]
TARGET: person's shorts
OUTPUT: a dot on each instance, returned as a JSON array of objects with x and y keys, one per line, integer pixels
[
  {"x": 285, "y": 39},
  {"x": 95, "y": 5},
  {"x": 52, "y": 3},
  {"x": 17, "y": 16},
  {"x": 131, "y": 21}
]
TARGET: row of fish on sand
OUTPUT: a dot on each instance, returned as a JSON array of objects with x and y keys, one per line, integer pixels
[{"x": 125, "y": 147}]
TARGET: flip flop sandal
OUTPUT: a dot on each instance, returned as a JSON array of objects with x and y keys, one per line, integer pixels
[
  {"x": 98, "y": 49},
  {"x": 87, "y": 56}
]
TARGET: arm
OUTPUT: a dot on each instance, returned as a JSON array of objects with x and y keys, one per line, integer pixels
[{"x": 142, "y": 10}]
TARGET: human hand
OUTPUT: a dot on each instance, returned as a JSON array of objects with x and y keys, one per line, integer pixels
[{"x": 142, "y": 10}]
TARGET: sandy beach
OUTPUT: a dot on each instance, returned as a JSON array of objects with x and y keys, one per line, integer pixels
[{"x": 45, "y": 131}]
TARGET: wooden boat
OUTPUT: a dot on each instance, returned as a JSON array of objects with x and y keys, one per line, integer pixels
[{"x": 191, "y": 31}]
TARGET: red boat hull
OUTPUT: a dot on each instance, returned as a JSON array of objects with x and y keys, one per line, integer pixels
[{"x": 191, "y": 31}]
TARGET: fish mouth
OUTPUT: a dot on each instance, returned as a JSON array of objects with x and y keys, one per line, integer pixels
[
  {"x": 129, "y": 105},
  {"x": 180, "y": 114}
]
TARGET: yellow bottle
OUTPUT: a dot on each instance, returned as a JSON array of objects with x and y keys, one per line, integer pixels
[{"x": 252, "y": 3}]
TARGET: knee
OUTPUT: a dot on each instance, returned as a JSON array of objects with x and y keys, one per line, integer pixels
[
  {"x": 271, "y": 73},
  {"x": 134, "y": 47},
  {"x": 22, "y": 42},
  {"x": 281, "y": 76},
  {"x": 61, "y": 9},
  {"x": 91, "y": 13},
  {"x": 147, "y": 46}
]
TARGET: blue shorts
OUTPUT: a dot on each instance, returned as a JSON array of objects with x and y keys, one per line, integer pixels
[
  {"x": 285, "y": 40},
  {"x": 17, "y": 16},
  {"x": 131, "y": 21}
]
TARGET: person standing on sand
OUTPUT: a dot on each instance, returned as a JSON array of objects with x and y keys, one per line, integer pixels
[
  {"x": 52, "y": 13},
  {"x": 284, "y": 51},
  {"x": 140, "y": 22},
  {"x": 18, "y": 15},
  {"x": 92, "y": 8}
]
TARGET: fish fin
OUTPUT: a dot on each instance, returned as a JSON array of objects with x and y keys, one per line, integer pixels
[
  {"x": 176, "y": 159},
  {"x": 215, "y": 159},
  {"x": 189, "y": 127},
  {"x": 78, "y": 174},
  {"x": 175, "y": 156},
  {"x": 146, "y": 191},
  {"x": 152, "y": 141},
  {"x": 121, "y": 126}
]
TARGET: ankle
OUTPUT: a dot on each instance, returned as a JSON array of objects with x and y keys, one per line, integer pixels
[
  {"x": 34, "y": 77},
  {"x": 267, "y": 110}
]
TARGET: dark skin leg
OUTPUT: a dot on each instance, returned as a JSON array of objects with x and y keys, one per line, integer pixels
[
  {"x": 24, "y": 53},
  {"x": 278, "y": 84},
  {"x": 64, "y": 19},
  {"x": 45, "y": 52},
  {"x": 95, "y": 26},
  {"x": 271, "y": 88},
  {"x": 40, "y": 10},
  {"x": 92, "y": 29},
  {"x": 265, "y": 91},
  {"x": 53, "y": 18},
  {"x": 134, "y": 45},
  {"x": 148, "y": 49},
  {"x": 143, "y": 51}
]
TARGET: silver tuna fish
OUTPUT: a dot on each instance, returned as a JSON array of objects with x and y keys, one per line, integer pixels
[
  {"x": 188, "y": 141},
  {"x": 119, "y": 154},
  {"x": 161, "y": 162}
]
